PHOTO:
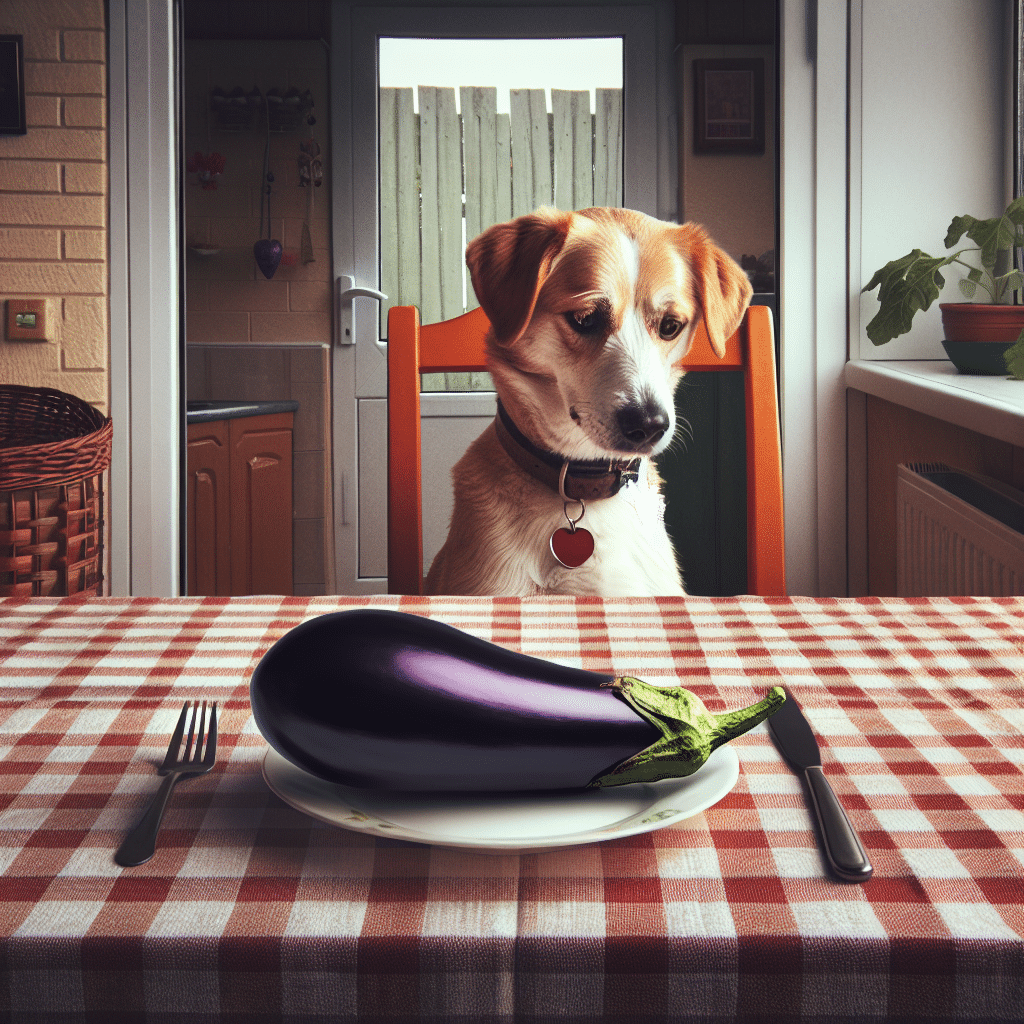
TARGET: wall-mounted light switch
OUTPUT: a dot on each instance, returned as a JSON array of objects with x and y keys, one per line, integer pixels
[{"x": 26, "y": 320}]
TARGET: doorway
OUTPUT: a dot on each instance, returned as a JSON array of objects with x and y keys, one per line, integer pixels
[
  {"x": 375, "y": 235},
  {"x": 258, "y": 334}
]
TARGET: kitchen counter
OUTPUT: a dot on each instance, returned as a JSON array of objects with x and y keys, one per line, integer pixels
[
  {"x": 993, "y": 406},
  {"x": 208, "y": 411}
]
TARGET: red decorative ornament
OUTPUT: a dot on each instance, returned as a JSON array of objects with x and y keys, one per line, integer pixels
[{"x": 209, "y": 167}]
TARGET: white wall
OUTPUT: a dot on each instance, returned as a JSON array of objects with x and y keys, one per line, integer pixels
[
  {"x": 745, "y": 224},
  {"x": 933, "y": 143}
]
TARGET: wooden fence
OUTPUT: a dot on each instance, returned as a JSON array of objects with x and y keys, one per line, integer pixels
[{"x": 504, "y": 165}]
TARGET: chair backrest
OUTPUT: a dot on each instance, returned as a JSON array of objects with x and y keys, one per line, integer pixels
[{"x": 458, "y": 345}]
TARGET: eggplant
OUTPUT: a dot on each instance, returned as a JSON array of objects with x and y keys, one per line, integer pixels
[{"x": 387, "y": 700}]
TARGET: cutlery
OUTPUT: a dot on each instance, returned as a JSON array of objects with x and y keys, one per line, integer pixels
[
  {"x": 793, "y": 736},
  {"x": 180, "y": 762}
]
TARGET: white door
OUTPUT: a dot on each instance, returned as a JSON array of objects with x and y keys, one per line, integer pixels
[{"x": 359, "y": 364}]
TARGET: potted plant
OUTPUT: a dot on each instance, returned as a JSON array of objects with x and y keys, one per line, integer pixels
[{"x": 979, "y": 336}]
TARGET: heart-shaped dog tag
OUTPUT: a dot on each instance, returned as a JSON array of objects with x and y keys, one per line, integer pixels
[{"x": 572, "y": 547}]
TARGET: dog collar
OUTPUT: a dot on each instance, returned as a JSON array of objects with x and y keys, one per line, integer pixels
[{"x": 583, "y": 479}]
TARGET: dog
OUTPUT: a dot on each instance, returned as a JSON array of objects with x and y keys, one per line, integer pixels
[{"x": 591, "y": 313}]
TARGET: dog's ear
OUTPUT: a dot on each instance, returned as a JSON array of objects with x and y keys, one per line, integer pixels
[
  {"x": 723, "y": 288},
  {"x": 509, "y": 262}
]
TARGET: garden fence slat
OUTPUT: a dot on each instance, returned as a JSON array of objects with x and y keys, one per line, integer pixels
[
  {"x": 441, "y": 205},
  {"x": 387, "y": 116},
  {"x": 573, "y": 145},
  {"x": 608, "y": 148},
  {"x": 531, "y": 151},
  {"x": 431, "y": 272},
  {"x": 503, "y": 169},
  {"x": 479, "y": 127},
  {"x": 399, "y": 201}
]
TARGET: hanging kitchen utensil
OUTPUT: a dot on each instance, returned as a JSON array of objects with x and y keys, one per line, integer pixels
[
  {"x": 310, "y": 172},
  {"x": 306, "y": 241},
  {"x": 268, "y": 251}
]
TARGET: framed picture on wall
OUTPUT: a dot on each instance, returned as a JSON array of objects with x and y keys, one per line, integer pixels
[
  {"x": 12, "y": 86},
  {"x": 729, "y": 106}
]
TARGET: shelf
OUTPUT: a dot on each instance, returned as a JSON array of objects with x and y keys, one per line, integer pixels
[{"x": 993, "y": 406}]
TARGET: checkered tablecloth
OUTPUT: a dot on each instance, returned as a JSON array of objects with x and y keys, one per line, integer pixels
[{"x": 251, "y": 911}]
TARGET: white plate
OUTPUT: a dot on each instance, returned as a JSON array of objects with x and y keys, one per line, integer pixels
[{"x": 521, "y": 822}]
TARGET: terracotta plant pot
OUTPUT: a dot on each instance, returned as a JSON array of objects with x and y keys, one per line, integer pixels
[
  {"x": 977, "y": 334},
  {"x": 978, "y": 321}
]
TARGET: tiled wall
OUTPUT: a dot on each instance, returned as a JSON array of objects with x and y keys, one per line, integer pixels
[
  {"x": 53, "y": 198},
  {"x": 229, "y": 301}
]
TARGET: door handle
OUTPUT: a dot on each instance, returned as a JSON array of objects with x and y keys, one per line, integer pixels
[{"x": 347, "y": 290}]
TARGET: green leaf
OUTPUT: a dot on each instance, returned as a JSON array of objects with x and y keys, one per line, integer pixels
[
  {"x": 1010, "y": 282},
  {"x": 1014, "y": 357},
  {"x": 989, "y": 235},
  {"x": 958, "y": 227},
  {"x": 1014, "y": 213},
  {"x": 905, "y": 286},
  {"x": 892, "y": 268},
  {"x": 969, "y": 284}
]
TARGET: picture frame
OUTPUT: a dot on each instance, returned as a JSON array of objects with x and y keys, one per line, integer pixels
[
  {"x": 12, "y": 86},
  {"x": 729, "y": 105}
]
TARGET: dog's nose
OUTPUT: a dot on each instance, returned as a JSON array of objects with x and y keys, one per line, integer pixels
[{"x": 642, "y": 424}]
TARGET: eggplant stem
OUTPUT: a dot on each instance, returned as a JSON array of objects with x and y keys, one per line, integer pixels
[{"x": 689, "y": 731}]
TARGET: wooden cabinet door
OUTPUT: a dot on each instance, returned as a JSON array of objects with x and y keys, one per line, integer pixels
[
  {"x": 261, "y": 505},
  {"x": 209, "y": 509}
]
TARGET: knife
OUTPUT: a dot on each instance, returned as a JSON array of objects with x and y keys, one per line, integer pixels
[{"x": 793, "y": 736}]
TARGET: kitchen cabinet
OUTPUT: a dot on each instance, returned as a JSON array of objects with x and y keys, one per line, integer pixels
[{"x": 240, "y": 499}]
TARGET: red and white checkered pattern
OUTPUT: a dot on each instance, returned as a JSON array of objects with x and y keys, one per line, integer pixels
[{"x": 250, "y": 911}]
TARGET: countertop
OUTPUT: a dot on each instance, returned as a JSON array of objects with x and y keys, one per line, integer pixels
[
  {"x": 989, "y": 405},
  {"x": 208, "y": 411}
]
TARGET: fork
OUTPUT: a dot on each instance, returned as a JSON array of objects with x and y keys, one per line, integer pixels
[{"x": 181, "y": 762}]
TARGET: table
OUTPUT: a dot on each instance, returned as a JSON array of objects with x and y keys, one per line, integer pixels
[{"x": 251, "y": 911}]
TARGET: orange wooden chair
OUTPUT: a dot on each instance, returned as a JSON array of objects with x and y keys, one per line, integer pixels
[{"x": 458, "y": 345}]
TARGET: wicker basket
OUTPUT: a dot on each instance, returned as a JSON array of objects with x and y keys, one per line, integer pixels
[{"x": 54, "y": 450}]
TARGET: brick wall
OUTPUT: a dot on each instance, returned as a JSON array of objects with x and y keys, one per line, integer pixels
[{"x": 53, "y": 198}]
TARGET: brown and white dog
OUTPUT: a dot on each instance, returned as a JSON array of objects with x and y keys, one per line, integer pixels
[{"x": 590, "y": 314}]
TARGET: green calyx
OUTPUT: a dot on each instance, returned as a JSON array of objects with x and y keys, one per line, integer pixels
[{"x": 689, "y": 732}]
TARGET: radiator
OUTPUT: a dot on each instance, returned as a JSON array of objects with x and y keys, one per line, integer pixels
[{"x": 957, "y": 533}]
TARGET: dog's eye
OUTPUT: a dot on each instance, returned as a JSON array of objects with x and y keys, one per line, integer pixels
[
  {"x": 669, "y": 328},
  {"x": 585, "y": 321}
]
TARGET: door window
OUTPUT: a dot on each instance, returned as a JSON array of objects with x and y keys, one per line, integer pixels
[
  {"x": 390, "y": 245},
  {"x": 474, "y": 132}
]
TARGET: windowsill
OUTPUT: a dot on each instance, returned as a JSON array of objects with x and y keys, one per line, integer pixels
[{"x": 993, "y": 406}]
